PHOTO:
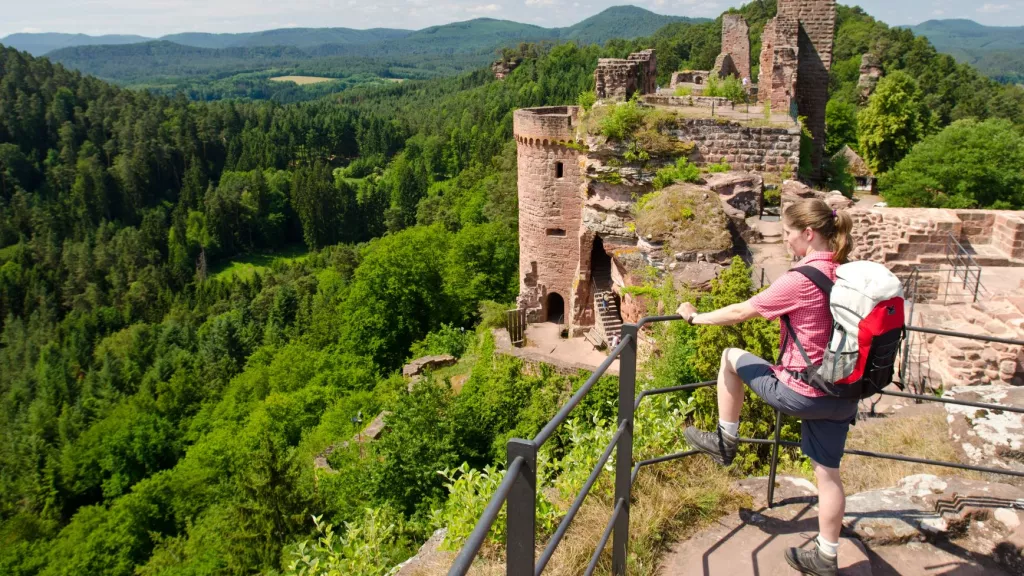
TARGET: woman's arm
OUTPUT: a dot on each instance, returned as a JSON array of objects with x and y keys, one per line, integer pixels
[{"x": 727, "y": 316}]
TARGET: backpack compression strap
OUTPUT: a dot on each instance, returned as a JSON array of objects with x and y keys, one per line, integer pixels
[{"x": 825, "y": 285}]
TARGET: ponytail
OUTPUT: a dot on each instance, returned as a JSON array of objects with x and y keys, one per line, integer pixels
[
  {"x": 835, "y": 225},
  {"x": 841, "y": 242}
]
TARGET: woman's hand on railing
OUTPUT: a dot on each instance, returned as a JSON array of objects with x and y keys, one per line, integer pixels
[{"x": 686, "y": 310}]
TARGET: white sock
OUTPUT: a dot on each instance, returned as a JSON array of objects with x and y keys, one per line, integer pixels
[
  {"x": 827, "y": 548},
  {"x": 729, "y": 428}
]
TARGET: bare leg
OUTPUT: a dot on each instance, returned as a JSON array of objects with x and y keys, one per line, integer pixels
[
  {"x": 730, "y": 387},
  {"x": 831, "y": 502}
]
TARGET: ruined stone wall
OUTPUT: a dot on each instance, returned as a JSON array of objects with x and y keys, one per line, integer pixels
[
  {"x": 616, "y": 79},
  {"x": 817, "y": 20},
  {"x": 724, "y": 67},
  {"x": 647, "y": 80},
  {"x": 744, "y": 148},
  {"x": 778, "y": 77},
  {"x": 694, "y": 101},
  {"x": 550, "y": 207},
  {"x": 1008, "y": 234},
  {"x": 697, "y": 77},
  {"x": 898, "y": 237},
  {"x": 736, "y": 42}
]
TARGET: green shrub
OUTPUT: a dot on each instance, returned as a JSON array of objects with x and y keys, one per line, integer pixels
[
  {"x": 624, "y": 120},
  {"x": 683, "y": 91},
  {"x": 368, "y": 547},
  {"x": 445, "y": 340},
  {"x": 730, "y": 87},
  {"x": 493, "y": 314},
  {"x": 682, "y": 171},
  {"x": 586, "y": 100},
  {"x": 772, "y": 197},
  {"x": 722, "y": 166}
]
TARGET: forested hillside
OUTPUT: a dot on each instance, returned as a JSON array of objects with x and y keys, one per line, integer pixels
[
  {"x": 161, "y": 413},
  {"x": 997, "y": 51}
]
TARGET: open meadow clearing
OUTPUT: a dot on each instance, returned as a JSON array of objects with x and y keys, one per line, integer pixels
[{"x": 301, "y": 80}]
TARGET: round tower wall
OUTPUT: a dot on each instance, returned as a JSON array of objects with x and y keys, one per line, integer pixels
[{"x": 550, "y": 218}]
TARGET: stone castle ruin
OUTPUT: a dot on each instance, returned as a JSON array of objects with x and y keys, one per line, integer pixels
[{"x": 585, "y": 239}]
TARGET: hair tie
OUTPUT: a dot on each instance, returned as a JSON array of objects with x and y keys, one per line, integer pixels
[{"x": 833, "y": 213}]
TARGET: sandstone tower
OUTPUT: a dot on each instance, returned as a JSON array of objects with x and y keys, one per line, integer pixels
[
  {"x": 736, "y": 43},
  {"x": 796, "y": 58},
  {"x": 550, "y": 211}
]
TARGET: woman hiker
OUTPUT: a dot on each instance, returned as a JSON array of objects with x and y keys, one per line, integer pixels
[{"x": 820, "y": 237}]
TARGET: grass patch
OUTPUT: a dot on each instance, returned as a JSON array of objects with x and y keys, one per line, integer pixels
[
  {"x": 924, "y": 435},
  {"x": 686, "y": 218},
  {"x": 671, "y": 502},
  {"x": 245, "y": 267}
]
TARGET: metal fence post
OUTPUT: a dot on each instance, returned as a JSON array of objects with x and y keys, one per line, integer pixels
[
  {"x": 624, "y": 451},
  {"x": 775, "y": 459},
  {"x": 521, "y": 519}
]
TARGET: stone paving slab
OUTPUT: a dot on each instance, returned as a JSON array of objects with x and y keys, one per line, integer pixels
[{"x": 753, "y": 541}]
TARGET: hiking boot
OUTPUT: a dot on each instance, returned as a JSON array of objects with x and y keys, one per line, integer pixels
[
  {"x": 720, "y": 447},
  {"x": 812, "y": 562}
]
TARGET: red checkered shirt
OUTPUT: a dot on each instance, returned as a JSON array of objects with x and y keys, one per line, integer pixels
[{"x": 807, "y": 306}]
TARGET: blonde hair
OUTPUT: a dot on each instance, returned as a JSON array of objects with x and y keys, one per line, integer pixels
[{"x": 834, "y": 225}]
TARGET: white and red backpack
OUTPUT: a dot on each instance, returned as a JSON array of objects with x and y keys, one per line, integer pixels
[{"x": 866, "y": 302}]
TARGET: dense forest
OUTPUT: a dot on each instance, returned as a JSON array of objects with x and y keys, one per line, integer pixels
[{"x": 162, "y": 418}]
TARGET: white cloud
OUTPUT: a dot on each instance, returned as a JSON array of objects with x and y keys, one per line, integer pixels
[
  {"x": 989, "y": 8},
  {"x": 938, "y": 12},
  {"x": 31, "y": 30},
  {"x": 539, "y": 2},
  {"x": 483, "y": 8}
]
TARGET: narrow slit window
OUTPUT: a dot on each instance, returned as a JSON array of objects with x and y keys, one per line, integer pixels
[
  {"x": 556, "y": 232},
  {"x": 558, "y": 169}
]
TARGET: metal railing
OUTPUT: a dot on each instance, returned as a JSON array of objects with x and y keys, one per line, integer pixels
[
  {"x": 519, "y": 487},
  {"x": 962, "y": 266}
]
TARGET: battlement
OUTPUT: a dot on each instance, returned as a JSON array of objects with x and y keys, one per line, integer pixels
[{"x": 545, "y": 126}]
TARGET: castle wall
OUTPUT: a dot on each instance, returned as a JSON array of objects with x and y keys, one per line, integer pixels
[
  {"x": 647, "y": 81},
  {"x": 550, "y": 208},
  {"x": 736, "y": 42},
  {"x": 616, "y": 79},
  {"x": 817, "y": 30},
  {"x": 779, "y": 66},
  {"x": 744, "y": 148}
]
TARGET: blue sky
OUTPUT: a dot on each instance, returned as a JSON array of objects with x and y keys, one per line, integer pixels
[{"x": 158, "y": 17}]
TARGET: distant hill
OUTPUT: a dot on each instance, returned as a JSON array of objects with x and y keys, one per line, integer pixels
[
  {"x": 39, "y": 44},
  {"x": 620, "y": 22},
  {"x": 996, "y": 51},
  {"x": 474, "y": 41}
]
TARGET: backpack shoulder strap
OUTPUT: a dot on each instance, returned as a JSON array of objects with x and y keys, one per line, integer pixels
[{"x": 817, "y": 277}]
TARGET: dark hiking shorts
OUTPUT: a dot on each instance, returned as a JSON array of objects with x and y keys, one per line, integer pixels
[{"x": 824, "y": 422}]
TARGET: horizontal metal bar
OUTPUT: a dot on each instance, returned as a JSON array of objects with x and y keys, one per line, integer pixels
[
  {"x": 642, "y": 463},
  {"x": 657, "y": 391},
  {"x": 653, "y": 319},
  {"x": 476, "y": 539},
  {"x": 927, "y": 398},
  {"x": 556, "y": 538},
  {"x": 604, "y": 538},
  {"x": 870, "y": 454},
  {"x": 966, "y": 336},
  {"x": 553, "y": 424}
]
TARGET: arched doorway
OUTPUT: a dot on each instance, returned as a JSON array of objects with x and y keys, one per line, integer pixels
[{"x": 556, "y": 309}]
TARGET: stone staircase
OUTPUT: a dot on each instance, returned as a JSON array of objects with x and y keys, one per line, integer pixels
[{"x": 608, "y": 320}]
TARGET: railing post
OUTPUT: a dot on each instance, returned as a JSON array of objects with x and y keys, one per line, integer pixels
[
  {"x": 521, "y": 517},
  {"x": 775, "y": 459},
  {"x": 977, "y": 285},
  {"x": 624, "y": 451}
]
